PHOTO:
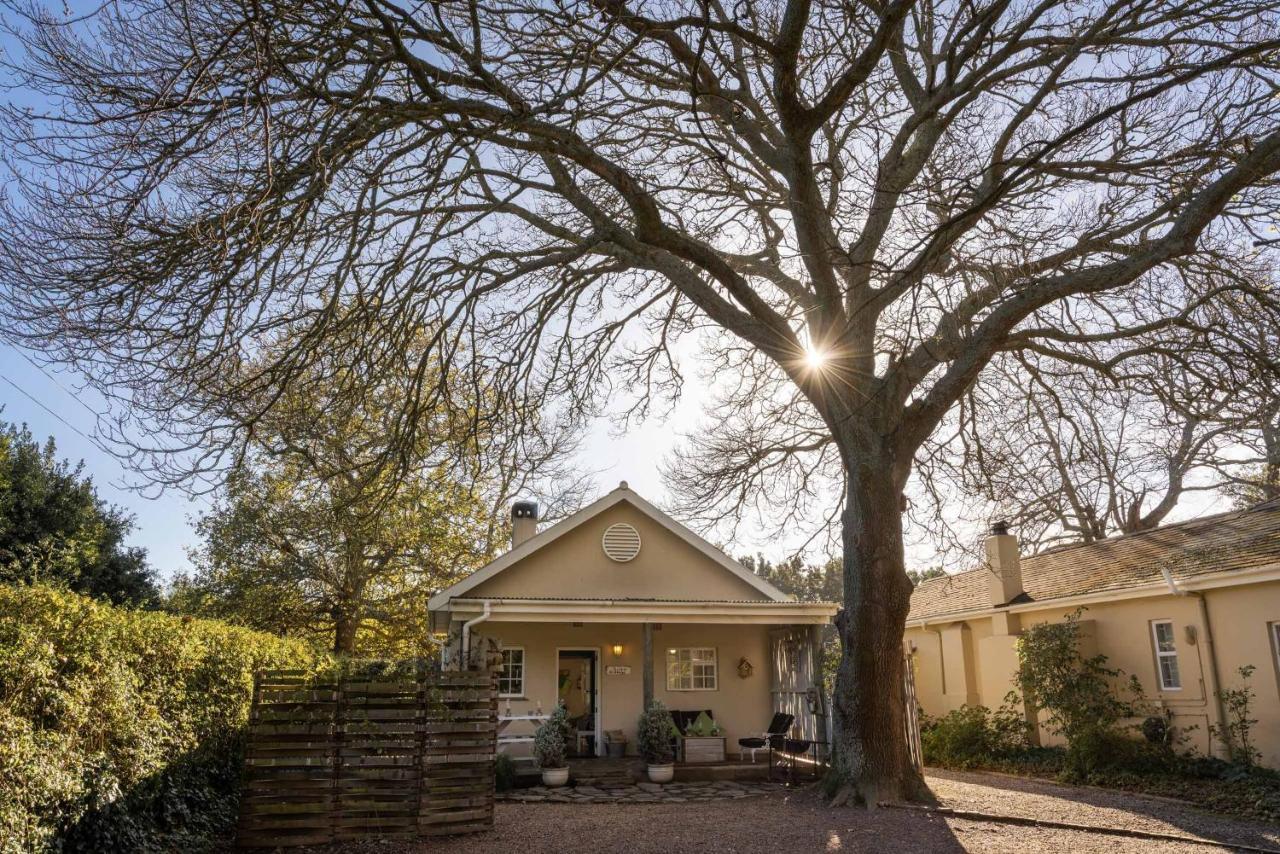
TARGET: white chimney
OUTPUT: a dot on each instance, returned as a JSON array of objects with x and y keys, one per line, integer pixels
[
  {"x": 524, "y": 521},
  {"x": 1004, "y": 564}
]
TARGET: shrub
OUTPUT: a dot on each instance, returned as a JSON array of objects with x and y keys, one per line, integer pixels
[
  {"x": 1077, "y": 694},
  {"x": 119, "y": 729},
  {"x": 654, "y": 733},
  {"x": 504, "y": 773},
  {"x": 1156, "y": 729},
  {"x": 973, "y": 736},
  {"x": 551, "y": 740},
  {"x": 1234, "y": 734}
]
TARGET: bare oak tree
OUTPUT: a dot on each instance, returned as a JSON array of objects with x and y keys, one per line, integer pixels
[
  {"x": 1064, "y": 458},
  {"x": 1078, "y": 444},
  {"x": 1258, "y": 479},
  {"x": 868, "y": 201}
]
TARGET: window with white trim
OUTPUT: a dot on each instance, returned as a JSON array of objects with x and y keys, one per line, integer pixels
[
  {"x": 692, "y": 668},
  {"x": 511, "y": 677},
  {"x": 1166, "y": 655},
  {"x": 1275, "y": 643}
]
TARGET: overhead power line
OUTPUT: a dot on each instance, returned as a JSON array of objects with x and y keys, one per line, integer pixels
[
  {"x": 47, "y": 409},
  {"x": 53, "y": 379},
  {"x": 90, "y": 439}
]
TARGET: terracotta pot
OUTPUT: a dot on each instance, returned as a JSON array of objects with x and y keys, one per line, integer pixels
[
  {"x": 552, "y": 777},
  {"x": 662, "y": 773}
]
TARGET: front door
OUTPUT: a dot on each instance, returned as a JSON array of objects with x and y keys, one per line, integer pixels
[{"x": 578, "y": 688}]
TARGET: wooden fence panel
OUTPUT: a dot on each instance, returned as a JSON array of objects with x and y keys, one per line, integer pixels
[
  {"x": 391, "y": 758},
  {"x": 460, "y": 747}
]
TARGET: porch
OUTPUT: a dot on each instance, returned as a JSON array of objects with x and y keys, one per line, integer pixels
[{"x": 736, "y": 667}]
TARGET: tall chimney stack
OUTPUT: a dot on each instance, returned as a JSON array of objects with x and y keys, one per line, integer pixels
[
  {"x": 524, "y": 521},
  {"x": 1005, "y": 565}
]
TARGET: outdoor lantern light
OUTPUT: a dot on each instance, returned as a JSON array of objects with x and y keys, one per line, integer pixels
[
  {"x": 812, "y": 700},
  {"x": 744, "y": 668},
  {"x": 617, "y": 650}
]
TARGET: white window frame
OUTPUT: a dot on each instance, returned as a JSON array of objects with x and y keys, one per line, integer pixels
[
  {"x": 696, "y": 655},
  {"x": 523, "y": 665},
  {"x": 1166, "y": 653}
]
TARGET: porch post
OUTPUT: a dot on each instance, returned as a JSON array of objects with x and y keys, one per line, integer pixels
[{"x": 647, "y": 629}]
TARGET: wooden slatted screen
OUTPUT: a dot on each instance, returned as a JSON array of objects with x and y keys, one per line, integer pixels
[
  {"x": 360, "y": 758},
  {"x": 795, "y": 671},
  {"x": 913, "y": 713}
]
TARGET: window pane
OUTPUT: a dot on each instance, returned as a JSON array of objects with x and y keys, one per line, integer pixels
[
  {"x": 1169, "y": 676},
  {"x": 675, "y": 671},
  {"x": 511, "y": 677},
  {"x": 691, "y": 669},
  {"x": 1164, "y": 637}
]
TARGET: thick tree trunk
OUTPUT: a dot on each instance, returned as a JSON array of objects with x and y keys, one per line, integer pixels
[
  {"x": 870, "y": 754},
  {"x": 346, "y": 624}
]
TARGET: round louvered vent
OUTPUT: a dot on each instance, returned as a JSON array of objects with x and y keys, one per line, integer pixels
[{"x": 621, "y": 542}]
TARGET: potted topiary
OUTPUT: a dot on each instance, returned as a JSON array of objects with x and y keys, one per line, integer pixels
[
  {"x": 655, "y": 732},
  {"x": 550, "y": 746}
]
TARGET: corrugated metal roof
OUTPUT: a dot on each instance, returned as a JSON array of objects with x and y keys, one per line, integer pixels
[
  {"x": 761, "y": 602},
  {"x": 1227, "y": 542}
]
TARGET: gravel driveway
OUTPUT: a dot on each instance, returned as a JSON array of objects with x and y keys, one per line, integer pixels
[
  {"x": 1047, "y": 801},
  {"x": 787, "y": 821}
]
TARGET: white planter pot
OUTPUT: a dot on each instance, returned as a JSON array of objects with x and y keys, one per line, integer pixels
[
  {"x": 661, "y": 773},
  {"x": 555, "y": 776}
]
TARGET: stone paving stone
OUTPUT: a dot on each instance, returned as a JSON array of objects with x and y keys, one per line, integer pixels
[{"x": 640, "y": 793}]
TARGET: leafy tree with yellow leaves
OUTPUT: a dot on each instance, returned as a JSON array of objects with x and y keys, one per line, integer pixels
[{"x": 321, "y": 531}]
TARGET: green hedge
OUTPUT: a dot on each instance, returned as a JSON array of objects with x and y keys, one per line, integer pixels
[
  {"x": 972, "y": 737},
  {"x": 120, "y": 729}
]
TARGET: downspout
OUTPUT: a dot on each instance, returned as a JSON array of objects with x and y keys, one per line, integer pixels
[
  {"x": 923, "y": 625},
  {"x": 466, "y": 632},
  {"x": 1213, "y": 681}
]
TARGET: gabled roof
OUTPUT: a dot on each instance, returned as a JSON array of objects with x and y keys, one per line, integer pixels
[
  {"x": 622, "y": 494},
  {"x": 1228, "y": 544}
]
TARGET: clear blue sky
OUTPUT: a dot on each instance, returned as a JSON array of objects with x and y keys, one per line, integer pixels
[{"x": 163, "y": 522}]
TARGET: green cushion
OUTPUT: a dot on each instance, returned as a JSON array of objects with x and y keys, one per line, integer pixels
[{"x": 703, "y": 725}]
